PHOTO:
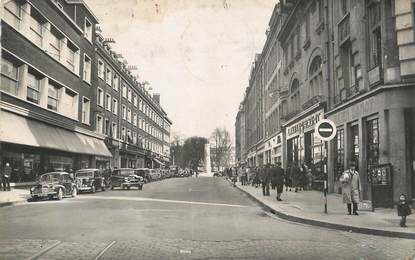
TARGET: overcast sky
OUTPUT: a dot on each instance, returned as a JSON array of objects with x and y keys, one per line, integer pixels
[{"x": 196, "y": 54}]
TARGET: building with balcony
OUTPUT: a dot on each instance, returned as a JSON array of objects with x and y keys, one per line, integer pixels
[
  {"x": 136, "y": 127},
  {"x": 47, "y": 50}
]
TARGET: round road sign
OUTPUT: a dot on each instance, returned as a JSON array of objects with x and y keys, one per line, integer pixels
[{"x": 325, "y": 129}]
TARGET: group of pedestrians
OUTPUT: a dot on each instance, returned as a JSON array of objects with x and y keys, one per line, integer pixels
[{"x": 5, "y": 174}]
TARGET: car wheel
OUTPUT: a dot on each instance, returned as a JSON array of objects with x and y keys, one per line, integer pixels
[
  {"x": 103, "y": 188},
  {"x": 93, "y": 188},
  {"x": 74, "y": 192},
  {"x": 60, "y": 194}
]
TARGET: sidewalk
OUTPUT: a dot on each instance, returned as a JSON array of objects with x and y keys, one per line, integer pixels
[
  {"x": 14, "y": 196},
  {"x": 308, "y": 207}
]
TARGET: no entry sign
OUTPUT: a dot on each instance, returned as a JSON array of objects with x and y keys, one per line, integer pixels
[{"x": 325, "y": 129}]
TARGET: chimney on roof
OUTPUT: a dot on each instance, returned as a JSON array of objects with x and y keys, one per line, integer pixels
[{"x": 156, "y": 98}]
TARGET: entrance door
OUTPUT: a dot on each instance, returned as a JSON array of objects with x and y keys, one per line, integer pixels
[
  {"x": 410, "y": 130},
  {"x": 354, "y": 147}
]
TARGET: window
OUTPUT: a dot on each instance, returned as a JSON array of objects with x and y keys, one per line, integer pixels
[
  {"x": 106, "y": 126},
  {"x": 101, "y": 69},
  {"x": 375, "y": 36},
  {"x": 115, "y": 106},
  {"x": 295, "y": 96},
  {"x": 100, "y": 124},
  {"x": 372, "y": 144},
  {"x": 72, "y": 57},
  {"x": 55, "y": 43},
  {"x": 100, "y": 97},
  {"x": 129, "y": 116},
  {"x": 129, "y": 137},
  {"x": 124, "y": 91},
  {"x": 108, "y": 102},
  {"x": 87, "y": 69},
  {"x": 108, "y": 77},
  {"x": 129, "y": 94},
  {"x": 86, "y": 106},
  {"x": 115, "y": 82},
  {"x": 123, "y": 134},
  {"x": 124, "y": 112},
  {"x": 36, "y": 27},
  {"x": 135, "y": 100},
  {"x": 134, "y": 137},
  {"x": 53, "y": 99},
  {"x": 88, "y": 30},
  {"x": 33, "y": 88},
  {"x": 339, "y": 153},
  {"x": 140, "y": 104},
  {"x": 315, "y": 77},
  {"x": 354, "y": 141},
  {"x": 9, "y": 73},
  {"x": 114, "y": 130},
  {"x": 135, "y": 119}
]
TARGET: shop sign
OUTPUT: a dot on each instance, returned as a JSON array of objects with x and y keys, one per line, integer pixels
[{"x": 304, "y": 125}]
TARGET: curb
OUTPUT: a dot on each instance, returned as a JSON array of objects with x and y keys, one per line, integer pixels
[{"x": 367, "y": 231}]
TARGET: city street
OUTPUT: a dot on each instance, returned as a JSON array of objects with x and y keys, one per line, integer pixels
[{"x": 179, "y": 218}]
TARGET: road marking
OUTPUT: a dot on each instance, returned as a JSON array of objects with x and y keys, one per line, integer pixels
[
  {"x": 162, "y": 200},
  {"x": 105, "y": 250},
  {"x": 44, "y": 251}
]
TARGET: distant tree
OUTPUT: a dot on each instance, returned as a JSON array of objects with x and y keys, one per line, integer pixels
[
  {"x": 221, "y": 144},
  {"x": 193, "y": 151},
  {"x": 176, "y": 150}
]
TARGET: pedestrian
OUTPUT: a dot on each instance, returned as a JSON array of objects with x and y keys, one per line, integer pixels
[
  {"x": 245, "y": 176},
  {"x": 256, "y": 181},
  {"x": 288, "y": 179},
  {"x": 309, "y": 177},
  {"x": 403, "y": 209},
  {"x": 6, "y": 177},
  {"x": 265, "y": 179},
  {"x": 351, "y": 188},
  {"x": 277, "y": 179},
  {"x": 296, "y": 176}
]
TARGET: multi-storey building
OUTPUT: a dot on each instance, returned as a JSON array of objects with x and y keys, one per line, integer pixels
[
  {"x": 64, "y": 95},
  {"x": 351, "y": 62},
  {"x": 47, "y": 51},
  {"x": 136, "y": 127}
]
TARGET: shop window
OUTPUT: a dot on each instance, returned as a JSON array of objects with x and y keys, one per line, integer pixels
[
  {"x": 86, "y": 106},
  {"x": 115, "y": 106},
  {"x": 372, "y": 128},
  {"x": 53, "y": 97},
  {"x": 339, "y": 153},
  {"x": 354, "y": 147},
  {"x": 9, "y": 77}
]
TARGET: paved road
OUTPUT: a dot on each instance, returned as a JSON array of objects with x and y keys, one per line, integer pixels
[{"x": 189, "y": 218}]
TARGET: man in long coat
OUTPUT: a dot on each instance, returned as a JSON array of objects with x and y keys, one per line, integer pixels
[
  {"x": 351, "y": 188},
  {"x": 265, "y": 179},
  {"x": 296, "y": 176},
  {"x": 277, "y": 179}
]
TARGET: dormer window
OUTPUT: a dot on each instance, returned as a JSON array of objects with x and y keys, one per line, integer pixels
[{"x": 88, "y": 30}]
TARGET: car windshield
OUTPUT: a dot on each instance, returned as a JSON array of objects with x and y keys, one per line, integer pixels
[
  {"x": 50, "y": 177},
  {"x": 85, "y": 174}
]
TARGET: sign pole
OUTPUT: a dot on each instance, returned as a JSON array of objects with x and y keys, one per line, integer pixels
[{"x": 325, "y": 177}]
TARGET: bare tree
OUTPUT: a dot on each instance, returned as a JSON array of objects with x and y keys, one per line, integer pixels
[{"x": 221, "y": 147}]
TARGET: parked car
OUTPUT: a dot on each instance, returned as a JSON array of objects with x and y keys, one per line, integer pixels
[
  {"x": 90, "y": 180},
  {"x": 54, "y": 185},
  {"x": 143, "y": 172},
  {"x": 126, "y": 178},
  {"x": 155, "y": 175}
]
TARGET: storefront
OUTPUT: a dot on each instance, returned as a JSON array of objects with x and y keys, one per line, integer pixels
[
  {"x": 303, "y": 147},
  {"x": 38, "y": 147},
  {"x": 373, "y": 131}
]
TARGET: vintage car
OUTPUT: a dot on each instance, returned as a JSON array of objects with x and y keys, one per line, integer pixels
[
  {"x": 90, "y": 180},
  {"x": 126, "y": 178},
  {"x": 54, "y": 185},
  {"x": 155, "y": 175},
  {"x": 143, "y": 172}
]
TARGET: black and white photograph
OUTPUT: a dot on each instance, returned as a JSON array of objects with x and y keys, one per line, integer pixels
[{"x": 207, "y": 129}]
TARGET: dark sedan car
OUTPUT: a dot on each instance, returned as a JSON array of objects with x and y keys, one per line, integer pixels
[
  {"x": 90, "y": 180},
  {"x": 126, "y": 178},
  {"x": 54, "y": 185}
]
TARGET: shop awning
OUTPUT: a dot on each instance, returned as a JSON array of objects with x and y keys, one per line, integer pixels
[
  {"x": 21, "y": 130},
  {"x": 157, "y": 161}
]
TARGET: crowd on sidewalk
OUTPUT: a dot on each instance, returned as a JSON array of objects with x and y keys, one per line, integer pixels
[
  {"x": 299, "y": 178},
  {"x": 5, "y": 173}
]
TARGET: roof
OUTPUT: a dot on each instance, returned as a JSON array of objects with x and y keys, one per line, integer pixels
[{"x": 82, "y": 2}]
